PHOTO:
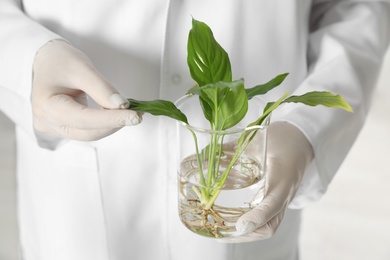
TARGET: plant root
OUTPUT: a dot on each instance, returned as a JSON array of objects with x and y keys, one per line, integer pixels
[{"x": 216, "y": 222}]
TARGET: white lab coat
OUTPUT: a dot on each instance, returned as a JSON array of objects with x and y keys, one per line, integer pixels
[{"x": 115, "y": 199}]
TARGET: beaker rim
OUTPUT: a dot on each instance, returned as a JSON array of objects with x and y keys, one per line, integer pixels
[{"x": 233, "y": 130}]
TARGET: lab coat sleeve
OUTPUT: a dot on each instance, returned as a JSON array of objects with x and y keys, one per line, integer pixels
[
  {"x": 20, "y": 38},
  {"x": 347, "y": 43}
]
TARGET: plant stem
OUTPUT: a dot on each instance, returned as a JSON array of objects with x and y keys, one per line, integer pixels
[
  {"x": 214, "y": 192},
  {"x": 204, "y": 192},
  {"x": 211, "y": 160}
]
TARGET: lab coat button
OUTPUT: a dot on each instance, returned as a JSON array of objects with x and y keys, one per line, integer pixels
[{"x": 175, "y": 79}]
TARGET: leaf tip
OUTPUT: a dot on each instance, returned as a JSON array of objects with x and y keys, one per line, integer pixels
[
  {"x": 348, "y": 108},
  {"x": 344, "y": 104}
]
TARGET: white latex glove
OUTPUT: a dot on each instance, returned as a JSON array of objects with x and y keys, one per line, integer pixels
[
  {"x": 63, "y": 77},
  {"x": 289, "y": 152}
]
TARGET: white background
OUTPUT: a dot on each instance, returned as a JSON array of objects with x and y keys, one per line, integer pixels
[{"x": 351, "y": 222}]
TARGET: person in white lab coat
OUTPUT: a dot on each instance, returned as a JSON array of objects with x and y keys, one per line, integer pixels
[{"x": 90, "y": 188}]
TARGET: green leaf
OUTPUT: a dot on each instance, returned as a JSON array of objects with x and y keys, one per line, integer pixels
[
  {"x": 247, "y": 136},
  {"x": 207, "y": 60},
  {"x": 324, "y": 98},
  {"x": 264, "y": 88},
  {"x": 210, "y": 97},
  {"x": 235, "y": 105},
  {"x": 269, "y": 108},
  {"x": 158, "y": 108},
  {"x": 224, "y": 103}
]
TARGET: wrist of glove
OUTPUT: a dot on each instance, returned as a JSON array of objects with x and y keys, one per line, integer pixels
[
  {"x": 288, "y": 154},
  {"x": 63, "y": 77}
]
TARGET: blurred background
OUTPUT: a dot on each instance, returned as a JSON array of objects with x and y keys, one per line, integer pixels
[{"x": 351, "y": 222}]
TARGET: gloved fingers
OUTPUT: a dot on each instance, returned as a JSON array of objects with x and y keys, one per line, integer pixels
[
  {"x": 62, "y": 115},
  {"x": 264, "y": 232},
  {"x": 64, "y": 110},
  {"x": 87, "y": 79},
  {"x": 258, "y": 217},
  {"x": 287, "y": 156},
  {"x": 74, "y": 74},
  {"x": 269, "y": 229},
  {"x": 63, "y": 76}
]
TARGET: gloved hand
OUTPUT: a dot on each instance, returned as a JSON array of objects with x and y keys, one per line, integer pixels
[
  {"x": 63, "y": 76},
  {"x": 288, "y": 154}
]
